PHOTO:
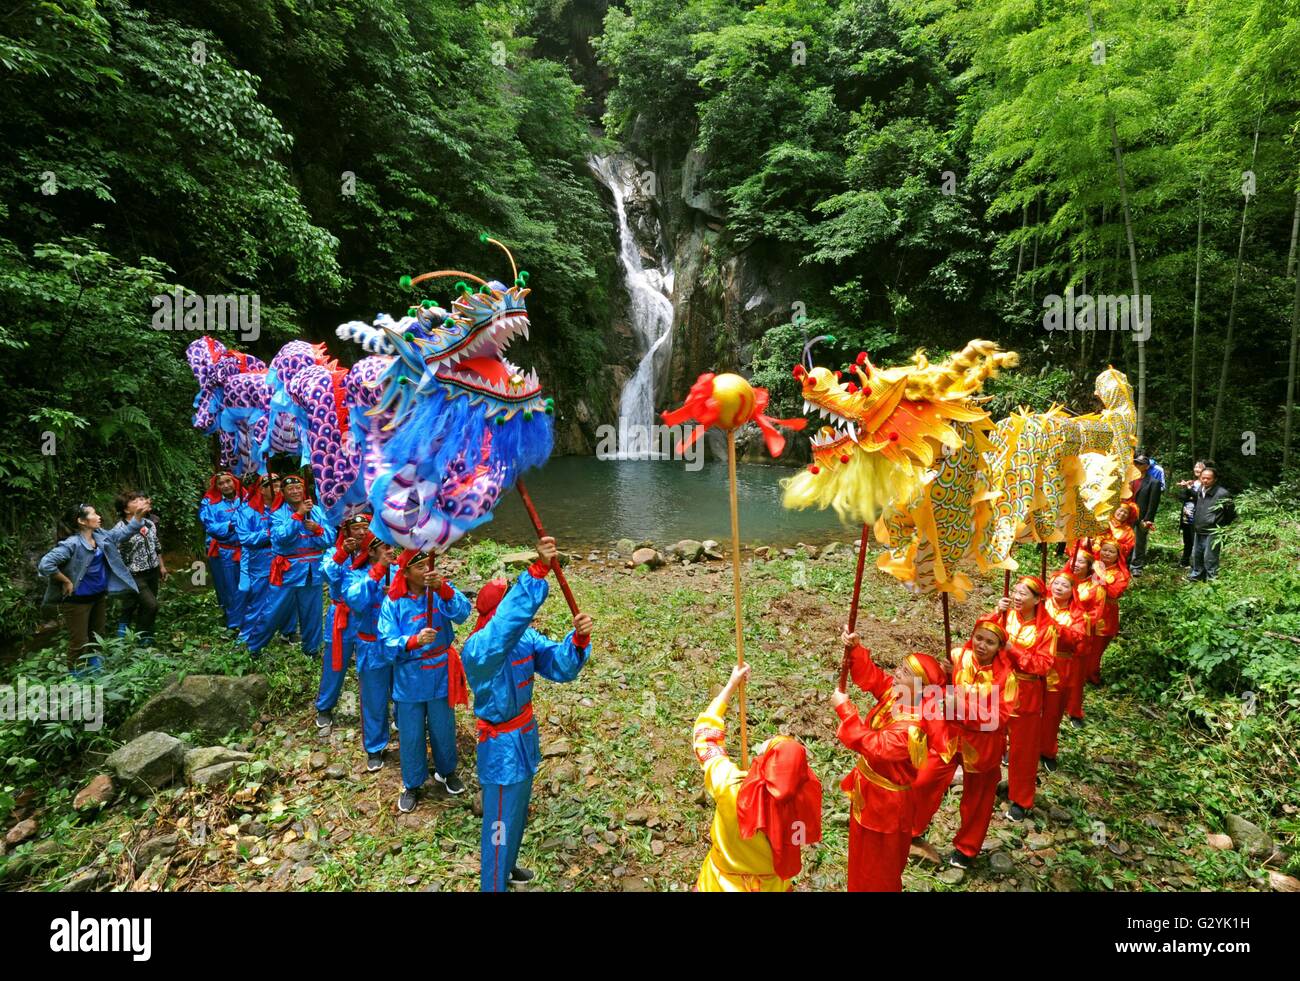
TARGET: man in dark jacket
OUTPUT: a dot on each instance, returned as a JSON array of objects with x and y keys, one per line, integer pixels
[
  {"x": 1214, "y": 510},
  {"x": 1146, "y": 495}
]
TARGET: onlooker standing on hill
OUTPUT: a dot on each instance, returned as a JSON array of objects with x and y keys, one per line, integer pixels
[
  {"x": 1214, "y": 510},
  {"x": 1189, "y": 491},
  {"x": 142, "y": 553},
  {"x": 82, "y": 571},
  {"x": 1146, "y": 495}
]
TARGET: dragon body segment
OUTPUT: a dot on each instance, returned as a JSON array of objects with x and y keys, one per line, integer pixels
[{"x": 911, "y": 450}]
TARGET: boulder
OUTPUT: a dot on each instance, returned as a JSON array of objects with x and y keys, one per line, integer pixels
[
  {"x": 688, "y": 550},
  {"x": 520, "y": 559},
  {"x": 763, "y": 551},
  {"x": 164, "y": 845},
  {"x": 209, "y": 705},
  {"x": 831, "y": 549},
  {"x": 21, "y": 832},
  {"x": 648, "y": 557},
  {"x": 207, "y": 757},
  {"x": 96, "y": 794},
  {"x": 217, "y": 775},
  {"x": 1248, "y": 838},
  {"x": 149, "y": 762},
  {"x": 811, "y": 551},
  {"x": 625, "y": 546}
]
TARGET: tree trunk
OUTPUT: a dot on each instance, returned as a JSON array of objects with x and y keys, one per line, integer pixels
[
  {"x": 1295, "y": 230},
  {"x": 1290, "y": 378},
  {"x": 1020, "y": 256},
  {"x": 1232, "y": 308},
  {"x": 1132, "y": 254},
  {"x": 1196, "y": 303}
]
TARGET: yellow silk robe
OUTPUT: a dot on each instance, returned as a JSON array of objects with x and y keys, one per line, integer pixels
[{"x": 734, "y": 864}]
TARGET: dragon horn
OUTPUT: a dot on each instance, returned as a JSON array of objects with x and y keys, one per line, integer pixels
[
  {"x": 808, "y": 346},
  {"x": 514, "y": 270},
  {"x": 442, "y": 274}
]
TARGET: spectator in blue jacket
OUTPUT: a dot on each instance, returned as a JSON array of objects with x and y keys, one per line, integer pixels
[{"x": 83, "y": 570}]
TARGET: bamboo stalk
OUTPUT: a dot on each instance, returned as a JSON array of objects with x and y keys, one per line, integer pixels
[{"x": 735, "y": 587}]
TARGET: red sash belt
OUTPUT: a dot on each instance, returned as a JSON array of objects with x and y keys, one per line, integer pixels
[
  {"x": 457, "y": 685},
  {"x": 341, "y": 611},
  {"x": 215, "y": 547},
  {"x": 280, "y": 564},
  {"x": 486, "y": 730},
  {"x": 368, "y": 638}
]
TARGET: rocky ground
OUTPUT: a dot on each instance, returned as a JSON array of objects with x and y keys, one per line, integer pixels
[{"x": 618, "y": 803}]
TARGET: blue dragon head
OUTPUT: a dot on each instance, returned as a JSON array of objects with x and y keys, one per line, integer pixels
[{"x": 455, "y": 421}]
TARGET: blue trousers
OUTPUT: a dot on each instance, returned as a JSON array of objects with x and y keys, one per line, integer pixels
[
  {"x": 283, "y": 605},
  {"x": 414, "y": 719},
  {"x": 376, "y": 692},
  {"x": 224, "y": 571},
  {"x": 505, "y": 812},
  {"x": 331, "y": 681},
  {"x": 255, "y": 606},
  {"x": 1205, "y": 556}
]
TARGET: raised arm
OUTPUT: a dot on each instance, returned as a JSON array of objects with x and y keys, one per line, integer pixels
[
  {"x": 121, "y": 532},
  {"x": 484, "y": 652},
  {"x": 452, "y": 603},
  {"x": 710, "y": 735}
]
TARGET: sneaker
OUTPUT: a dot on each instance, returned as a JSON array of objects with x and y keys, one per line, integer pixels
[
  {"x": 520, "y": 877},
  {"x": 451, "y": 783},
  {"x": 1049, "y": 764},
  {"x": 406, "y": 803},
  {"x": 1006, "y": 758},
  {"x": 324, "y": 720},
  {"x": 374, "y": 761},
  {"x": 958, "y": 860},
  {"x": 1077, "y": 723},
  {"x": 1016, "y": 813}
]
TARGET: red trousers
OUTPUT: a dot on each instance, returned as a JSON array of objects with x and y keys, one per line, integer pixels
[
  {"x": 1094, "y": 665},
  {"x": 1087, "y": 667},
  {"x": 1024, "y": 735},
  {"x": 1054, "y": 704},
  {"x": 978, "y": 795},
  {"x": 876, "y": 859}
]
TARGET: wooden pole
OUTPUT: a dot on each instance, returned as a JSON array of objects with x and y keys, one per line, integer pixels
[
  {"x": 735, "y": 588},
  {"x": 947, "y": 627},
  {"x": 1042, "y": 549},
  {"x": 1006, "y": 583},
  {"x": 541, "y": 533},
  {"x": 853, "y": 604}
]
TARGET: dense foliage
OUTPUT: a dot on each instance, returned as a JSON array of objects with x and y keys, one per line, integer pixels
[
  {"x": 934, "y": 170},
  {"x": 305, "y": 153}
]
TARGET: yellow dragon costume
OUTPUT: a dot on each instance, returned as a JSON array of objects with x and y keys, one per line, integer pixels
[{"x": 911, "y": 449}]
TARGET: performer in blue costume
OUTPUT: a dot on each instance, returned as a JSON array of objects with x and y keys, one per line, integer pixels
[
  {"x": 217, "y": 512},
  {"x": 365, "y": 595},
  {"x": 337, "y": 569},
  {"x": 253, "y": 526},
  {"x": 501, "y": 657},
  {"x": 299, "y": 536},
  {"x": 416, "y": 629}
]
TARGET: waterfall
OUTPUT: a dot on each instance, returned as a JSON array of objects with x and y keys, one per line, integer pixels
[{"x": 651, "y": 312}]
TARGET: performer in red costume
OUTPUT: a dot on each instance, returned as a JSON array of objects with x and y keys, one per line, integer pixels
[
  {"x": 1031, "y": 647},
  {"x": 891, "y": 743},
  {"x": 1092, "y": 599},
  {"x": 1122, "y": 523},
  {"x": 1110, "y": 573},
  {"x": 1074, "y": 629},
  {"x": 983, "y": 689}
]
